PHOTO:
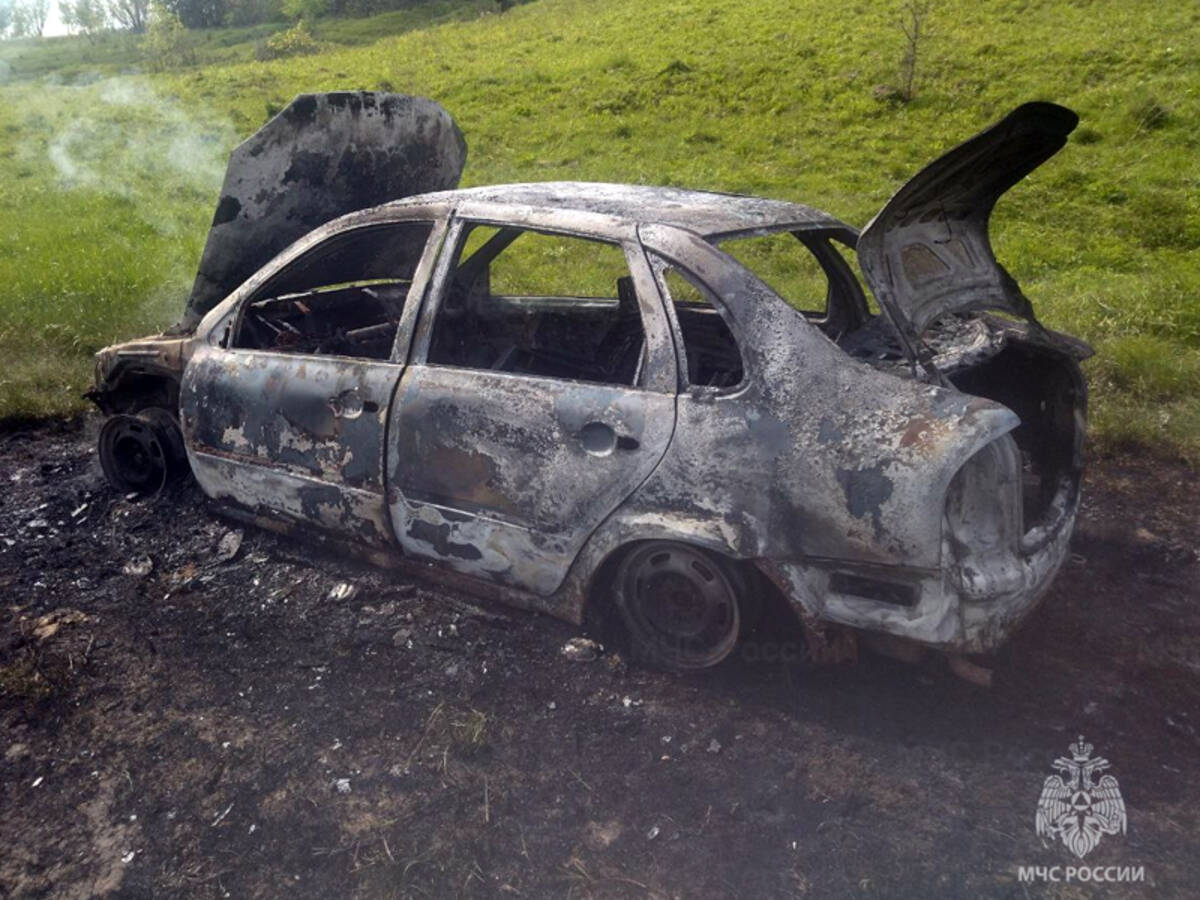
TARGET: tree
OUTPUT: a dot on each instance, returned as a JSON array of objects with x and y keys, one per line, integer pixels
[
  {"x": 21, "y": 25},
  {"x": 251, "y": 12},
  {"x": 6, "y": 15},
  {"x": 305, "y": 9},
  {"x": 132, "y": 15},
  {"x": 88, "y": 17},
  {"x": 37, "y": 11},
  {"x": 912, "y": 22},
  {"x": 198, "y": 13},
  {"x": 166, "y": 42}
]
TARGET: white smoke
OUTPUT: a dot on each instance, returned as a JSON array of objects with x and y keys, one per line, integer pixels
[{"x": 118, "y": 136}]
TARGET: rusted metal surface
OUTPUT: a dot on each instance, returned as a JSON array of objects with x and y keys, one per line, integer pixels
[
  {"x": 930, "y": 503},
  {"x": 300, "y": 434},
  {"x": 495, "y": 474},
  {"x": 137, "y": 371}
]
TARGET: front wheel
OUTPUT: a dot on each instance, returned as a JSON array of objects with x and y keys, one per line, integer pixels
[
  {"x": 140, "y": 453},
  {"x": 680, "y": 604}
]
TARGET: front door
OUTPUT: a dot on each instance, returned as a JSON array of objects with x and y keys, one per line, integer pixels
[
  {"x": 541, "y": 395},
  {"x": 287, "y": 418}
]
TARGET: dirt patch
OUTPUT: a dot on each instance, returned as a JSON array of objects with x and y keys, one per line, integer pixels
[{"x": 180, "y": 720}]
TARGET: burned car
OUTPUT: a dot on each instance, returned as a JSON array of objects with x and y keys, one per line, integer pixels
[{"x": 666, "y": 401}]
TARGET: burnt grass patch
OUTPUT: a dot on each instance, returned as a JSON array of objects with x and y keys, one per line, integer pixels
[{"x": 189, "y": 714}]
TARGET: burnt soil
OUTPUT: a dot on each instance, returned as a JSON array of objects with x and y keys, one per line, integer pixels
[{"x": 180, "y": 724}]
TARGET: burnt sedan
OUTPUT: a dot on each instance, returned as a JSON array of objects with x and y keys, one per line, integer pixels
[{"x": 669, "y": 402}]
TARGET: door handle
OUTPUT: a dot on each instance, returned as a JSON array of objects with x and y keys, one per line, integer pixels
[
  {"x": 350, "y": 404},
  {"x": 599, "y": 439}
]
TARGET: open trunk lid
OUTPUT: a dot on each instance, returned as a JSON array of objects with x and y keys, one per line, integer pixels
[{"x": 927, "y": 252}]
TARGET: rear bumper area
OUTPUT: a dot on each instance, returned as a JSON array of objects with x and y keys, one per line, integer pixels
[
  {"x": 994, "y": 599},
  {"x": 960, "y": 609}
]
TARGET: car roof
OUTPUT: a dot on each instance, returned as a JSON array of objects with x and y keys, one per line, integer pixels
[{"x": 708, "y": 213}]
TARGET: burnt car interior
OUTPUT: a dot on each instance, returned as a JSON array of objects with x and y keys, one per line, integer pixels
[
  {"x": 342, "y": 298},
  {"x": 1028, "y": 375},
  {"x": 540, "y": 304},
  {"x": 1042, "y": 391}
]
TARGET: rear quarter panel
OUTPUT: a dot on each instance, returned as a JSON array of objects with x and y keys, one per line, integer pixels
[{"x": 816, "y": 455}]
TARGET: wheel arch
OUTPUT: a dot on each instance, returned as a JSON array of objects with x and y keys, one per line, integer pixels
[
  {"x": 131, "y": 388},
  {"x": 596, "y": 562}
]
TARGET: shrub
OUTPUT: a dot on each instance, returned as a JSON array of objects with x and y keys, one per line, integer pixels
[{"x": 295, "y": 41}]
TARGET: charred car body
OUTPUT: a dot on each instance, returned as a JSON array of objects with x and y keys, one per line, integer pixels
[{"x": 669, "y": 400}]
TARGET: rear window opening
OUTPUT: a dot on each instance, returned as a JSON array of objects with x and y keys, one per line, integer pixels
[
  {"x": 808, "y": 270},
  {"x": 788, "y": 266}
]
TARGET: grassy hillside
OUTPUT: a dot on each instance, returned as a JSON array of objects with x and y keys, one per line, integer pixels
[
  {"x": 106, "y": 187},
  {"x": 66, "y": 57}
]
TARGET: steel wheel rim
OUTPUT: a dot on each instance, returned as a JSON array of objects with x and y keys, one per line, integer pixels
[
  {"x": 132, "y": 455},
  {"x": 679, "y": 602}
]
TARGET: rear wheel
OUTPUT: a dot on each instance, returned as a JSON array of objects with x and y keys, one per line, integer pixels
[
  {"x": 680, "y": 604},
  {"x": 140, "y": 453}
]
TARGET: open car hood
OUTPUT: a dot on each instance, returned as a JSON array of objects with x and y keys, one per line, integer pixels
[
  {"x": 322, "y": 156},
  {"x": 927, "y": 252}
]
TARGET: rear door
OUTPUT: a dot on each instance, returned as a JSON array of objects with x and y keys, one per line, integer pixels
[
  {"x": 284, "y": 415},
  {"x": 540, "y": 395}
]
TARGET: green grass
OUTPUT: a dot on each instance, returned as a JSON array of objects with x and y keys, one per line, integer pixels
[{"x": 775, "y": 97}]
